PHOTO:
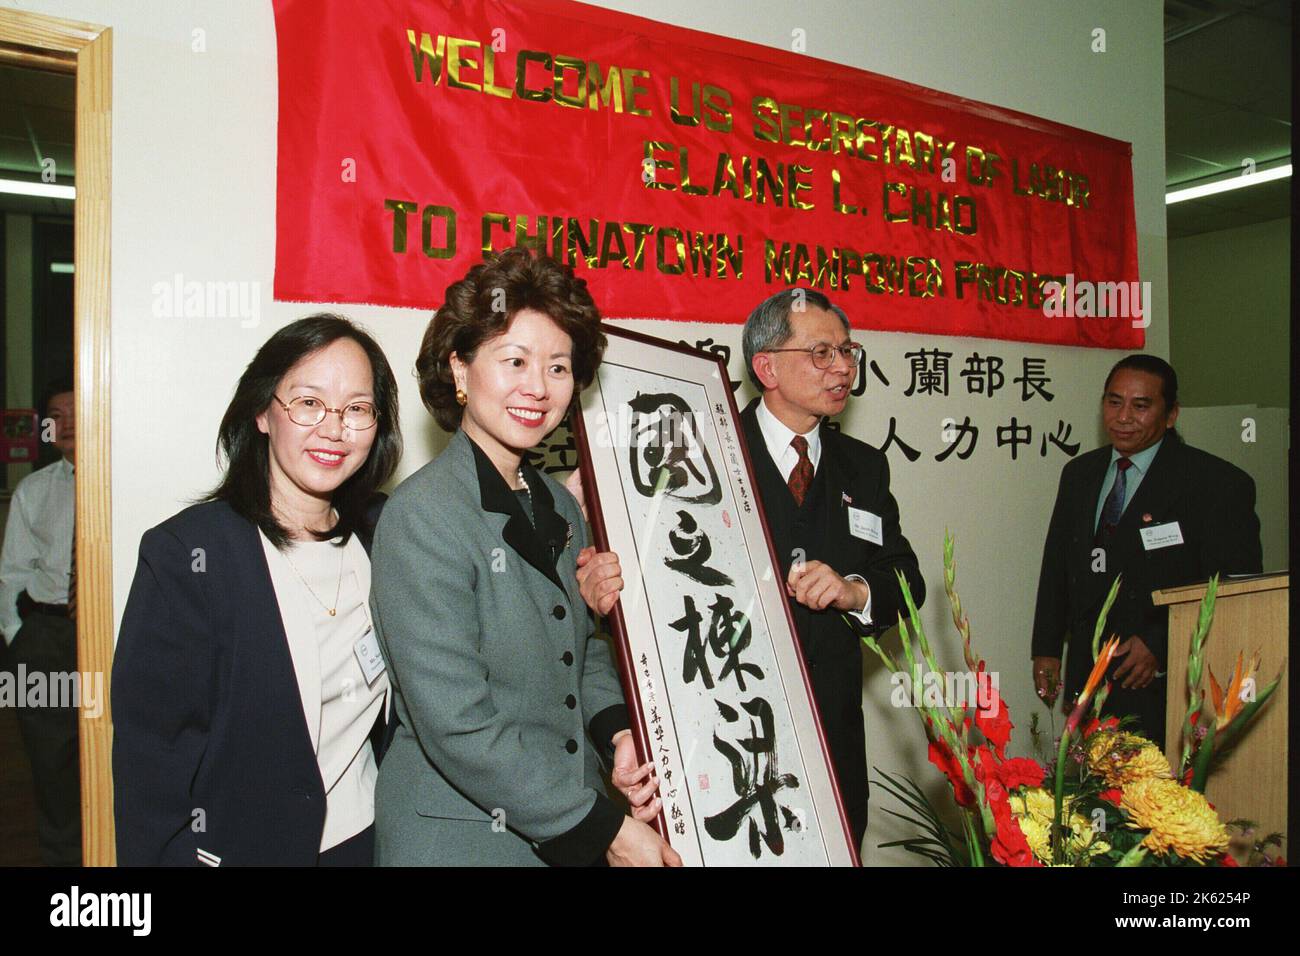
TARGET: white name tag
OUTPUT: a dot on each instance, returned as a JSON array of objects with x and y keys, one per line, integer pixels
[
  {"x": 1161, "y": 536},
  {"x": 368, "y": 656},
  {"x": 865, "y": 525}
]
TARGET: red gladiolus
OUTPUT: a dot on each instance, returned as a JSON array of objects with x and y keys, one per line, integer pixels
[
  {"x": 1094, "y": 725},
  {"x": 1114, "y": 795},
  {"x": 1008, "y": 846},
  {"x": 1226, "y": 860},
  {"x": 994, "y": 721},
  {"x": 943, "y": 758}
]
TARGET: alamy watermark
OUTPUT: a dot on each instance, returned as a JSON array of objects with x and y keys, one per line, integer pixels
[
  {"x": 182, "y": 299},
  {"x": 954, "y": 689},
  {"x": 24, "y": 688}
]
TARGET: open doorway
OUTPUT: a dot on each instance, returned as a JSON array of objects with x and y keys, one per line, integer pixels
[
  {"x": 56, "y": 298},
  {"x": 40, "y": 793}
]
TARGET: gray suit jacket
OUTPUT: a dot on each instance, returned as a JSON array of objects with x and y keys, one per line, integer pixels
[{"x": 495, "y": 670}]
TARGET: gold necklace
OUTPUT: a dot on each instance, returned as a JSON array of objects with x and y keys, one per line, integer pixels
[{"x": 337, "y": 590}]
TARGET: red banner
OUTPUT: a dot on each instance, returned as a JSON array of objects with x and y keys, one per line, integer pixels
[{"x": 684, "y": 175}]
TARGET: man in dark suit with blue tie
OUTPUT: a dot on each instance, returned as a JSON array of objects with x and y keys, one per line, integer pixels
[{"x": 1151, "y": 509}]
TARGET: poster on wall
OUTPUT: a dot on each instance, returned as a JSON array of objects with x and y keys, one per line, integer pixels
[
  {"x": 683, "y": 174},
  {"x": 707, "y": 651}
]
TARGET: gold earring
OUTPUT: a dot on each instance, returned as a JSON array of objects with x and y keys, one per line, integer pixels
[{"x": 461, "y": 397}]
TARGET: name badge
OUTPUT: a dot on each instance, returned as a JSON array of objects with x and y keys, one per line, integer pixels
[
  {"x": 368, "y": 656},
  {"x": 865, "y": 525},
  {"x": 1161, "y": 536}
]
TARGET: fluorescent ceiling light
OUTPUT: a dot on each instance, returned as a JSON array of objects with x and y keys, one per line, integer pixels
[
  {"x": 44, "y": 190},
  {"x": 1224, "y": 185},
  {"x": 61, "y": 268}
]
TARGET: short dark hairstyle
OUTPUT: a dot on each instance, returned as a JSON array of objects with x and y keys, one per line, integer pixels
[
  {"x": 768, "y": 326},
  {"x": 54, "y": 387},
  {"x": 1152, "y": 365},
  {"x": 485, "y": 302},
  {"x": 246, "y": 484}
]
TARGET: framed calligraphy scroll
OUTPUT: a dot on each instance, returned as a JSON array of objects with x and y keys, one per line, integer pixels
[{"x": 710, "y": 664}]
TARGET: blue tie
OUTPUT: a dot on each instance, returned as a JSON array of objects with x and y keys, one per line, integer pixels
[{"x": 1114, "y": 506}]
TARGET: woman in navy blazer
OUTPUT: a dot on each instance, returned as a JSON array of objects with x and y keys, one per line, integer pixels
[{"x": 249, "y": 698}]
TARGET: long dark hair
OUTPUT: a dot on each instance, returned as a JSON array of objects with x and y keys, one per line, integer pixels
[{"x": 246, "y": 484}]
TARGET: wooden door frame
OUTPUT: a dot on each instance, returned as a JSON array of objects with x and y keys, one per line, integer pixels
[{"x": 86, "y": 50}]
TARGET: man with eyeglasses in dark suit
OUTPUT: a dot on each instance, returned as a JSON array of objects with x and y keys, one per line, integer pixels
[{"x": 834, "y": 522}]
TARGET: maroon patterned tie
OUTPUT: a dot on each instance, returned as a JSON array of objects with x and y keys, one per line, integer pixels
[{"x": 801, "y": 478}]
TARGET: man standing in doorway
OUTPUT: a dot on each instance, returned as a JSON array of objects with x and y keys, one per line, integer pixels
[{"x": 38, "y": 620}]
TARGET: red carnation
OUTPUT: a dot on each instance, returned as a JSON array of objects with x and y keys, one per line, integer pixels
[{"x": 1114, "y": 795}]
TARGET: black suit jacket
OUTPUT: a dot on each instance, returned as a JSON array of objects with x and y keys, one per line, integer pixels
[
  {"x": 849, "y": 471},
  {"x": 1214, "y": 504},
  {"x": 211, "y": 747}
]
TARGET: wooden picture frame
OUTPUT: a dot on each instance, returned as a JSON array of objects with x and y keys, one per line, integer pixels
[{"x": 715, "y": 681}]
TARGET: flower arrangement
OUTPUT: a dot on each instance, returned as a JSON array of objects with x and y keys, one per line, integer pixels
[{"x": 1109, "y": 798}]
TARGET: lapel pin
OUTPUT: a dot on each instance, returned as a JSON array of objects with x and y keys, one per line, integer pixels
[
  {"x": 1146, "y": 518},
  {"x": 568, "y": 536},
  {"x": 845, "y": 499}
]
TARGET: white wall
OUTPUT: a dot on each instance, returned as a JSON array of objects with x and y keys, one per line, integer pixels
[{"x": 194, "y": 156}]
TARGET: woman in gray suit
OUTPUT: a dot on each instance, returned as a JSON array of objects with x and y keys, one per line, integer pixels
[{"x": 508, "y": 703}]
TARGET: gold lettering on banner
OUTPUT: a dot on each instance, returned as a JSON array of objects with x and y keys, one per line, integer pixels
[
  {"x": 788, "y": 125},
  {"x": 675, "y": 112},
  {"x": 763, "y": 109},
  {"x": 666, "y": 267},
  {"x": 774, "y": 182},
  {"x": 717, "y": 109},
  {"x": 724, "y": 177},
  {"x": 490, "y": 219},
  {"x": 632, "y": 89},
  {"x": 639, "y": 231},
  {"x": 819, "y": 145},
  {"x": 578, "y": 241},
  {"x": 401, "y": 209},
  {"x": 865, "y": 136},
  {"x": 901, "y": 190},
  {"x": 448, "y": 216},
  {"x": 600, "y": 92},
  {"x": 490, "y": 76},
  {"x": 651, "y": 147},
  {"x": 521, "y": 75},
  {"x": 562, "y": 65},
  {"x": 456, "y": 62},
  {"x": 836, "y": 204},
  {"x": 424, "y": 52},
  {"x": 796, "y": 186},
  {"x": 613, "y": 237}
]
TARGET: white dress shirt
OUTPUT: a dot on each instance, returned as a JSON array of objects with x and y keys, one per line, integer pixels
[
  {"x": 37, "y": 553},
  {"x": 777, "y": 438}
]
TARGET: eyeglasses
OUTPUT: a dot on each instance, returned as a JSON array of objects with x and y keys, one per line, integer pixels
[
  {"x": 308, "y": 411},
  {"x": 823, "y": 355}
]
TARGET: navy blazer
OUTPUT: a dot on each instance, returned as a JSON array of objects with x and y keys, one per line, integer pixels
[
  {"x": 1213, "y": 503},
  {"x": 211, "y": 748}
]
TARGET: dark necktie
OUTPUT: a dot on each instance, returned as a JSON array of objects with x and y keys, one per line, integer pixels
[
  {"x": 1114, "y": 506},
  {"x": 801, "y": 478}
]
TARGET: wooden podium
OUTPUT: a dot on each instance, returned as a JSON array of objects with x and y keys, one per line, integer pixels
[{"x": 1249, "y": 614}]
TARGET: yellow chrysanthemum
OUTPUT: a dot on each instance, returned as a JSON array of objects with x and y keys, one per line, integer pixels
[
  {"x": 1120, "y": 758},
  {"x": 1034, "y": 810},
  {"x": 1181, "y": 821}
]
